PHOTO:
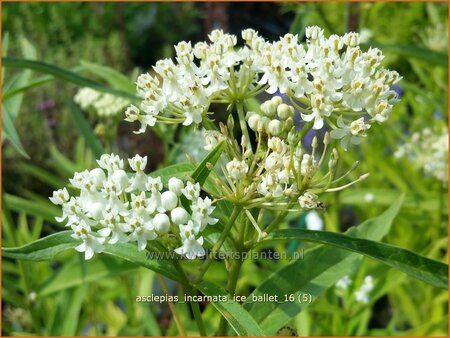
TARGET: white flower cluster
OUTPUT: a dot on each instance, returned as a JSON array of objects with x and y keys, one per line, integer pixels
[
  {"x": 327, "y": 79},
  {"x": 428, "y": 150},
  {"x": 102, "y": 104},
  {"x": 279, "y": 173},
  {"x": 113, "y": 207},
  {"x": 362, "y": 293}
]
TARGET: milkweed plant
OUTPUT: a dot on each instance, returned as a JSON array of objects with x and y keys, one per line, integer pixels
[
  {"x": 330, "y": 83},
  {"x": 254, "y": 105}
]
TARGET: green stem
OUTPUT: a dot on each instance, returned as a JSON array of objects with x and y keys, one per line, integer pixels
[
  {"x": 218, "y": 245},
  {"x": 197, "y": 314},
  {"x": 172, "y": 308},
  {"x": 277, "y": 220},
  {"x": 242, "y": 123},
  {"x": 231, "y": 286}
]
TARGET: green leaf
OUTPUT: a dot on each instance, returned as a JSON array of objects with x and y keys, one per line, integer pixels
[
  {"x": 414, "y": 265},
  {"x": 43, "y": 175},
  {"x": 129, "y": 252},
  {"x": 42, "y": 249},
  {"x": 63, "y": 74},
  {"x": 46, "y": 248},
  {"x": 5, "y": 44},
  {"x": 10, "y": 133},
  {"x": 320, "y": 268},
  {"x": 202, "y": 171},
  {"x": 47, "y": 211},
  {"x": 29, "y": 85},
  {"x": 114, "y": 78},
  {"x": 238, "y": 318},
  {"x": 85, "y": 129},
  {"x": 180, "y": 170},
  {"x": 70, "y": 275},
  {"x": 430, "y": 56},
  {"x": 385, "y": 197}
]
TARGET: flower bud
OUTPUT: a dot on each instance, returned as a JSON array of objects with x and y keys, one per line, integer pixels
[
  {"x": 269, "y": 108},
  {"x": 253, "y": 121},
  {"x": 230, "y": 123},
  {"x": 288, "y": 124},
  {"x": 284, "y": 111},
  {"x": 161, "y": 223},
  {"x": 262, "y": 124},
  {"x": 277, "y": 100},
  {"x": 98, "y": 176},
  {"x": 275, "y": 127},
  {"x": 120, "y": 178},
  {"x": 175, "y": 185},
  {"x": 169, "y": 200},
  {"x": 179, "y": 216}
]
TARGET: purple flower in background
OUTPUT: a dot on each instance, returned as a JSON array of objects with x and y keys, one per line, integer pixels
[
  {"x": 398, "y": 90},
  {"x": 46, "y": 105}
]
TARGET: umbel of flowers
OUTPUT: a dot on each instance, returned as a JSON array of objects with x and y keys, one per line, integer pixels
[
  {"x": 329, "y": 80},
  {"x": 327, "y": 83},
  {"x": 113, "y": 207}
]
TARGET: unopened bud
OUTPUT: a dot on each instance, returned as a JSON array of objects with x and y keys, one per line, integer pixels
[
  {"x": 275, "y": 127},
  {"x": 284, "y": 111},
  {"x": 230, "y": 123},
  {"x": 277, "y": 100},
  {"x": 268, "y": 108},
  {"x": 253, "y": 121},
  {"x": 326, "y": 139}
]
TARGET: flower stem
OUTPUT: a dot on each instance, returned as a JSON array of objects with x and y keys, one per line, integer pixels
[
  {"x": 172, "y": 308},
  {"x": 242, "y": 123},
  {"x": 231, "y": 286},
  {"x": 218, "y": 245}
]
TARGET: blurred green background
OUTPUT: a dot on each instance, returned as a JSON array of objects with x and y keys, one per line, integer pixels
[{"x": 59, "y": 298}]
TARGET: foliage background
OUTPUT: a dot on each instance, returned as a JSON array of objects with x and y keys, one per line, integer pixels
[{"x": 98, "y": 298}]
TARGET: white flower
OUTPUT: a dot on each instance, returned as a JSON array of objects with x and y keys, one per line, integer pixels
[
  {"x": 350, "y": 133},
  {"x": 191, "y": 191},
  {"x": 112, "y": 226},
  {"x": 362, "y": 294},
  {"x": 321, "y": 107},
  {"x": 313, "y": 221},
  {"x": 344, "y": 283},
  {"x": 110, "y": 163},
  {"x": 124, "y": 208},
  {"x": 201, "y": 211},
  {"x": 191, "y": 247},
  {"x": 308, "y": 200},
  {"x": 142, "y": 231},
  {"x": 60, "y": 196},
  {"x": 138, "y": 163},
  {"x": 237, "y": 169},
  {"x": 91, "y": 244},
  {"x": 212, "y": 139}
]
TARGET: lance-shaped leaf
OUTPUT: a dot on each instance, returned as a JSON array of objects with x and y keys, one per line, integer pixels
[
  {"x": 46, "y": 249},
  {"x": 238, "y": 318},
  {"x": 63, "y": 74},
  {"x": 85, "y": 129},
  {"x": 414, "y": 265},
  {"x": 320, "y": 268}
]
